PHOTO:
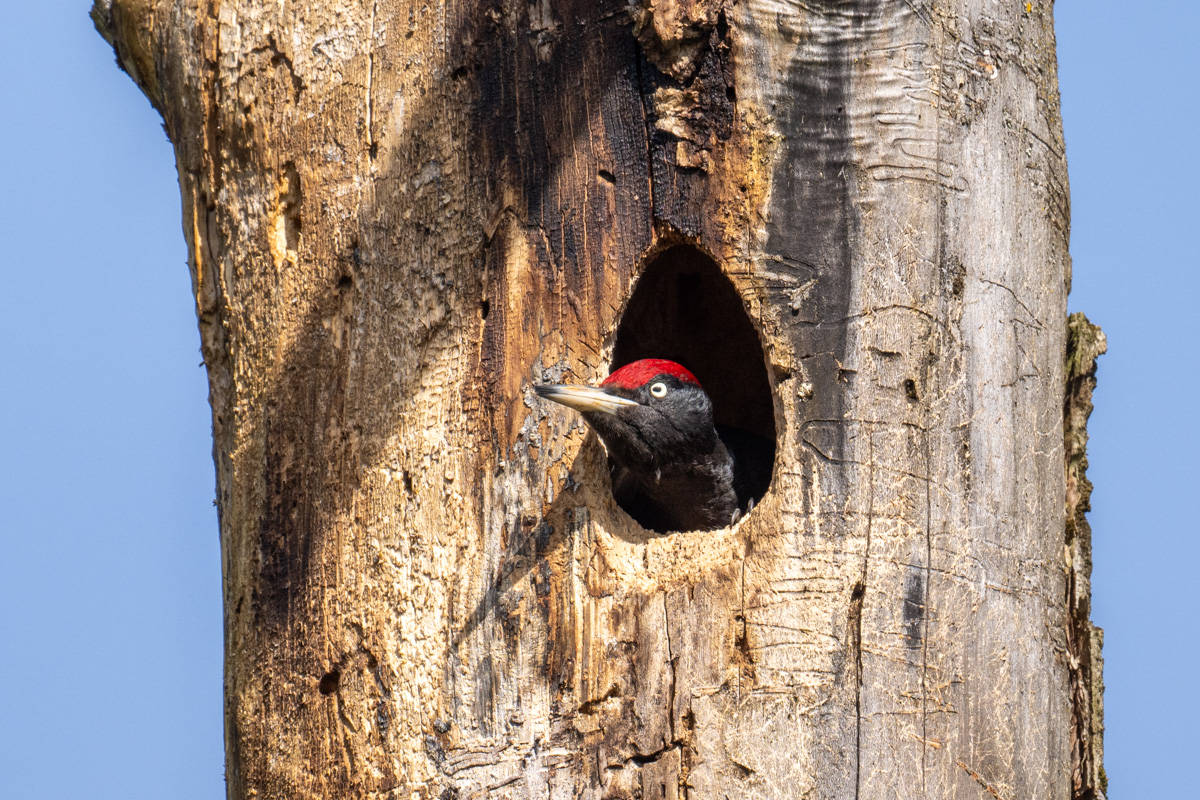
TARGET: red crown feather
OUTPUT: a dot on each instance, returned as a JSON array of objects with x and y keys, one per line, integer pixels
[{"x": 631, "y": 376}]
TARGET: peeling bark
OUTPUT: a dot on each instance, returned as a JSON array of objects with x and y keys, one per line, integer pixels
[
  {"x": 1085, "y": 344},
  {"x": 401, "y": 215}
]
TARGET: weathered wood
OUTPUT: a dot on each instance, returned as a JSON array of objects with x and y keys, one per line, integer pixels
[
  {"x": 400, "y": 215},
  {"x": 1085, "y": 344}
]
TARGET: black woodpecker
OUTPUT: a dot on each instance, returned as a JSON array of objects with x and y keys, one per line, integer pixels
[{"x": 672, "y": 469}]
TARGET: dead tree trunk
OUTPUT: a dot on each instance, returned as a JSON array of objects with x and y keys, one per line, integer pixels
[{"x": 848, "y": 217}]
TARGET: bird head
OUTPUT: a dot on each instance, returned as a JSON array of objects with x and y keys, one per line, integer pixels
[{"x": 648, "y": 413}]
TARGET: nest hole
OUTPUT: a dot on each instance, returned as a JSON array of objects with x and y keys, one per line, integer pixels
[{"x": 685, "y": 309}]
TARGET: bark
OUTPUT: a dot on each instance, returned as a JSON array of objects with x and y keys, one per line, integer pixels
[
  {"x": 1085, "y": 343},
  {"x": 400, "y": 215}
]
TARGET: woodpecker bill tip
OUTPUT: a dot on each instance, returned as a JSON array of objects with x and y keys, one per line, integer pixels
[{"x": 583, "y": 398}]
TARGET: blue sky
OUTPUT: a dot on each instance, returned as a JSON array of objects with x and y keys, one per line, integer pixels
[
  {"x": 110, "y": 641},
  {"x": 1127, "y": 76}
]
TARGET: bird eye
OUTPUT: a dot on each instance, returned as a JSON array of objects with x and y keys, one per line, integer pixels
[{"x": 659, "y": 389}]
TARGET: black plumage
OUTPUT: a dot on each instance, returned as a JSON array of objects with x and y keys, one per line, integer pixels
[{"x": 672, "y": 469}]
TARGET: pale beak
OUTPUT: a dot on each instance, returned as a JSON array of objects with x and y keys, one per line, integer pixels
[{"x": 583, "y": 398}]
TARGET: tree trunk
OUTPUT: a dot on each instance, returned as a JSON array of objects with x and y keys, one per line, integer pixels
[{"x": 849, "y": 218}]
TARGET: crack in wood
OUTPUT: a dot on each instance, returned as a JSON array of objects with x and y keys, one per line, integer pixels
[
  {"x": 987, "y": 787},
  {"x": 372, "y": 145}
]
